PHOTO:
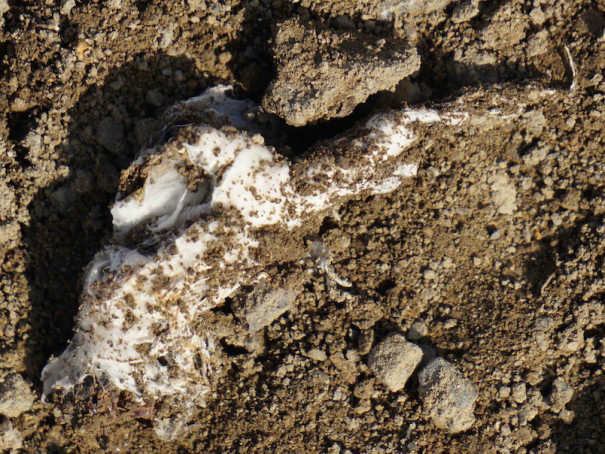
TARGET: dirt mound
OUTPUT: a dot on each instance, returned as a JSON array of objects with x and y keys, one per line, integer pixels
[{"x": 495, "y": 248}]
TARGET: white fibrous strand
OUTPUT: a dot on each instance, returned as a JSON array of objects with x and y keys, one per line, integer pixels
[{"x": 188, "y": 232}]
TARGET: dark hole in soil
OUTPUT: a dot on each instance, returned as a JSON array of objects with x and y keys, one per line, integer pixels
[
  {"x": 385, "y": 286},
  {"x": 6, "y": 51},
  {"x": 225, "y": 308},
  {"x": 142, "y": 5},
  {"x": 68, "y": 32},
  {"x": 147, "y": 423},
  {"x": 327, "y": 224},
  {"x": 55, "y": 449},
  {"x": 590, "y": 193},
  {"x": 526, "y": 147},
  {"x": 19, "y": 124},
  {"x": 13, "y": 18},
  {"x": 163, "y": 361},
  {"x": 232, "y": 350},
  {"x": 103, "y": 441},
  {"x": 491, "y": 229}
]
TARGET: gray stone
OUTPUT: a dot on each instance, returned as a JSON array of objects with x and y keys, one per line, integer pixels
[
  {"x": 567, "y": 416},
  {"x": 448, "y": 397},
  {"x": 519, "y": 392},
  {"x": 417, "y": 331},
  {"x": 67, "y": 6},
  {"x": 537, "y": 16},
  {"x": 538, "y": 44},
  {"x": 265, "y": 305},
  {"x": 167, "y": 36},
  {"x": 154, "y": 97},
  {"x": 110, "y": 134},
  {"x": 16, "y": 396},
  {"x": 504, "y": 392},
  {"x": 195, "y": 5},
  {"x": 322, "y": 74},
  {"x": 394, "y": 360},
  {"x": 504, "y": 193},
  {"x": 317, "y": 354}
]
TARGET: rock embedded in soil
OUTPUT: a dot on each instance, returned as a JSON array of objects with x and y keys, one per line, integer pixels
[
  {"x": 110, "y": 134},
  {"x": 317, "y": 355},
  {"x": 465, "y": 11},
  {"x": 11, "y": 439},
  {"x": 16, "y": 396},
  {"x": 265, "y": 305},
  {"x": 411, "y": 7},
  {"x": 448, "y": 397},
  {"x": 417, "y": 331},
  {"x": 560, "y": 395},
  {"x": 504, "y": 193},
  {"x": 323, "y": 74},
  {"x": 394, "y": 360},
  {"x": 519, "y": 392}
]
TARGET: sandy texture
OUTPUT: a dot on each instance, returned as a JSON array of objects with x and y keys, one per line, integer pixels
[{"x": 496, "y": 246}]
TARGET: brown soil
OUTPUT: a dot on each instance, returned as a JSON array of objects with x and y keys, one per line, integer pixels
[{"x": 514, "y": 298}]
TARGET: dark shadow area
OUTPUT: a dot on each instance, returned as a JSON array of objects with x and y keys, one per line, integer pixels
[
  {"x": 560, "y": 247},
  {"x": 252, "y": 63},
  {"x": 410, "y": 91},
  {"x": 253, "y": 67},
  {"x": 584, "y": 435},
  {"x": 70, "y": 218},
  {"x": 7, "y": 51},
  {"x": 19, "y": 124}
]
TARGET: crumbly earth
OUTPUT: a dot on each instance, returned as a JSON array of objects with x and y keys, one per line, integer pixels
[
  {"x": 497, "y": 245},
  {"x": 350, "y": 70}
]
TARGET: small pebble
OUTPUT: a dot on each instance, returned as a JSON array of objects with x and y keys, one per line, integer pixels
[
  {"x": 417, "y": 331},
  {"x": 11, "y": 439},
  {"x": 317, "y": 354},
  {"x": 519, "y": 393},
  {"x": 448, "y": 397},
  {"x": 450, "y": 323},
  {"x": 465, "y": 11},
  {"x": 394, "y": 360},
  {"x": 504, "y": 392}
]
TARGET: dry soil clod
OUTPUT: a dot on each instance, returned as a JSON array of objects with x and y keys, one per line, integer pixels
[
  {"x": 394, "y": 360},
  {"x": 16, "y": 396},
  {"x": 448, "y": 397},
  {"x": 323, "y": 74}
]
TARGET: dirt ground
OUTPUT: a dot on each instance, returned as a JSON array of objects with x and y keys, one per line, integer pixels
[{"x": 510, "y": 288}]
